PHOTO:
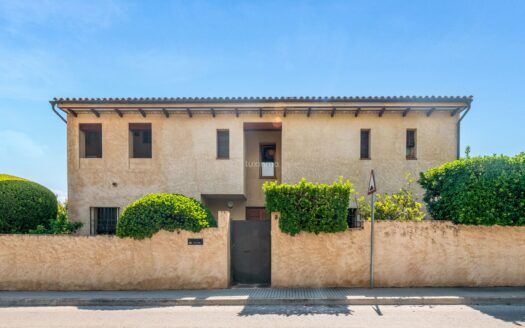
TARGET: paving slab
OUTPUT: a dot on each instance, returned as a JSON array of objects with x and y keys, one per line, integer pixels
[{"x": 269, "y": 296}]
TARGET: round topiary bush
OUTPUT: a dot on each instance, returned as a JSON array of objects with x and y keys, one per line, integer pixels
[
  {"x": 151, "y": 213},
  {"x": 24, "y": 205}
]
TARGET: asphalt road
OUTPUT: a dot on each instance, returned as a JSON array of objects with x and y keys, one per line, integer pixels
[{"x": 266, "y": 316}]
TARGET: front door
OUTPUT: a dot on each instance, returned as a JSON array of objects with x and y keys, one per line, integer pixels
[{"x": 250, "y": 252}]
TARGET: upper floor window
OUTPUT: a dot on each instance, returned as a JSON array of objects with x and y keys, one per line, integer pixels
[
  {"x": 411, "y": 144},
  {"x": 90, "y": 140},
  {"x": 365, "y": 144},
  {"x": 223, "y": 144},
  {"x": 268, "y": 152},
  {"x": 140, "y": 140}
]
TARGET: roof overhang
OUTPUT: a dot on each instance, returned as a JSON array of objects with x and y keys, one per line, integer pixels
[{"x": 262, "y": 106}]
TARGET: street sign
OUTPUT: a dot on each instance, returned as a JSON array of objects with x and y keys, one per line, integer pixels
[
  {"x": 372, "y": 184},
  {"x": 372, "y": 188}
]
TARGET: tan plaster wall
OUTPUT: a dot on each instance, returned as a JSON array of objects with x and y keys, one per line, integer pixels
[
  {"x": 407, "y": 254},
  {"x": 319, "y": 148},
  {"x": 166, "y": 261}
]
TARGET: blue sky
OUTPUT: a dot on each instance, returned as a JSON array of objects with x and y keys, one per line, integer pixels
[{"x": 254, "y": 48}]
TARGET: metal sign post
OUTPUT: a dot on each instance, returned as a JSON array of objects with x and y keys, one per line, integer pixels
[{"x": 371, "y": 191}]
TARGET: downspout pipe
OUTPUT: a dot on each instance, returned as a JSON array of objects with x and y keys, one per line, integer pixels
[
  {"x": 458, "y": 155},
  {"x": 53, "y": 104}
]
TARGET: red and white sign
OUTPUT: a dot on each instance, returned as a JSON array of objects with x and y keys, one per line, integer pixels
[{"x": 372, "y": 184}]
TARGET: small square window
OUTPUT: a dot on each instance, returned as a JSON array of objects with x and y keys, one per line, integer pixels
[{"x": 103, "y": 220}]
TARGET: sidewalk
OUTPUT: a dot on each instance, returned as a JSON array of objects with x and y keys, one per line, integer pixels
[{"x": 270, "y": 296}]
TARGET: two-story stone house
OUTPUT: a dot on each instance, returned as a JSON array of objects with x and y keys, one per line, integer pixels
[{"x": 221, "y": 150}]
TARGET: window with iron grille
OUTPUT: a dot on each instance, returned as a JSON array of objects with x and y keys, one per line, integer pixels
[
  {"x": 103, "y": 220},
  {"x": 411, "y": 144},
  {"x": 365, "y": 144},
  {"x": 90, "y": 140},
  {"x": 140, "y": 140},
  {"x": 353, "y": 219},
  {"x": 223, "y": 144}
]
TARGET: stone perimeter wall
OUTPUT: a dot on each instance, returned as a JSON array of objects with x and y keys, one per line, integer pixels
[
  {"x": 165, "y": 261},
  {"x": 407, "y": 254}
]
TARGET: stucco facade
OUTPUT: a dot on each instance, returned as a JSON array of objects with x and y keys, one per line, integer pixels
[{"x": 315, "y": 139}]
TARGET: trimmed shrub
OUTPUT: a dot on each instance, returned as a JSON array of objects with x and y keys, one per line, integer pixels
[
  {"x": 309, "y": 207},
  {"x": 151, "y": 213},
  {"x": 24, "y": 205},
  {"x": 485, "y": 190},
  {"x": 400, "y": 206},
  {"x": 60, "y": 225}
]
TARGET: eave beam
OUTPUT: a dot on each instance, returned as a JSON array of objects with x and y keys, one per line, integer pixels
[
  {"x": 97, "y": 114},
  {"x": 382, "y": 111},
  {"x": 332, "y": 113},
  {"x": 455, "y": 111},
  {"x": 212, "y": 112},
  {"x": 356, "y": 114},
  {"x": 118, "y": 112},
  {"x": 309, "y": 112},
  {"x": 236, "y": 112},
  {"x": 142, "y": 112},
  {"x": 285, "y": 111},
  {"x": 190, "y": 114},
  {"x": 166, "y": 113},
  {"x": 431, "y": 111},
  {"x": 405, "y": 112},
  {"x": 260, "y": 112},
  {"x": 72, "y": 112}
]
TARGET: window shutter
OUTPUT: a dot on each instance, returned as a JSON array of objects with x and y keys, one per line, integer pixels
[
  {"x": 223, "y": 144},
  {"x": 411, "y": 138},
  {"x": 365, "y": 144}
]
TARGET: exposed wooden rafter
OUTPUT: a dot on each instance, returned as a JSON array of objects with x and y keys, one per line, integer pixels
[
  {"x": 332, "y": 113},
  {"x": 190, "y": 114},
  {"x": 356, "y": 114},
  {"x": 431, "y": 111},
  {"x": 166, "y": 113},
  {"x": 405, "y": 112},
  {"x": 260, "y": 112},
  {"x": 97, "y": 114},
  {"x": 236, "y": 112},
  {"x": 382, "y": 111},
  {"x": 142, "y": 112},
  {"x": 118, "y": 112},
  {"x": 72, "y": 112},
  {"x": 309, "y": 112},
  {"x": 212, "y": 112},
  {"x": 455, "y": 111}
]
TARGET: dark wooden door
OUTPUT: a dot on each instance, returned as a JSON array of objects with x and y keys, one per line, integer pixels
[
  {"x": 250, "y": 252},
  {"x": 256, "y": 213}
]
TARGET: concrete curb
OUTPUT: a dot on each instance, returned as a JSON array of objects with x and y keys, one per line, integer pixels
[{"x": 155, "y": 302}]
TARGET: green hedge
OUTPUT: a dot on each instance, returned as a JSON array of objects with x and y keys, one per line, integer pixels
[
  {"x": 24, "y": 205},
  {"x": 399, "y": 206},
  {"x": 484, "y": 190},
  {"x": 151, "y": 213},
  {"x": 309, "y": 207}
]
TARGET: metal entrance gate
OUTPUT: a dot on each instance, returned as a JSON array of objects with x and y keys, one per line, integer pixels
[{"x": 250, "y": 252}]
